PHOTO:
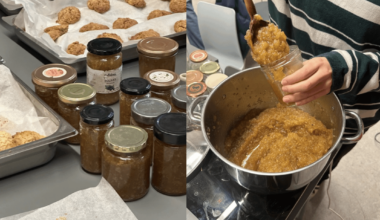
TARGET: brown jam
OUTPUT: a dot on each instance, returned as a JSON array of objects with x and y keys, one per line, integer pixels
[
  {"x": 49, "y": 78},
  {"x": 95, "y": 122},
  {"x": 72, "y": 99},
  {"x": 132, "y": 89},
  {"x": 156, "y": 53},
  {"x": 125, "y": 162},
  {"x": 104, "y": 69},
  {"x": 179, "y": 99},
  {"x": 169, "y": 161},
  {"x": 278, "y": 140},
  {"x": 149, "y": 142}
]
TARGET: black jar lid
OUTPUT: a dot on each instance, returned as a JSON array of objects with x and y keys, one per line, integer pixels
[
  {"x": 170, "y": 128},
  {"x": 96, "y": 114},
  {"x": 135, "y": 86},
  {"x": 104, "y": 46}
]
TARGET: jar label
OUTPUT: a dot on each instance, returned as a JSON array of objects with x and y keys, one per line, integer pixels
[
  {"x": 161, "y": 76},
  {"x": 104, "y": 81},
  {"x": 54, "y": 72}
]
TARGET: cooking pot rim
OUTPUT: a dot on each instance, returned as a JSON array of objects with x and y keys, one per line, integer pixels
[{"x": 225, "y": 160}]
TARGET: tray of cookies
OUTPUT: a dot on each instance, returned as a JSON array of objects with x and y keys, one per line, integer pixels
[
  {"x": 28, "y": 140},
  {"x": 60, "y": 30},
  {"x": 9, "y": 7}
]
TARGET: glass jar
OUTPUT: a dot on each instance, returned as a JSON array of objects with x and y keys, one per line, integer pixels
[
  {"x": 72, "y": 99},
  {"x": 277, "y": 70},
  {"x": 197, "y": 58},
  {"x": 125, "y": 162},
  {"x": 208, "y": 68},
  {"x": 104, "y": 68},
  {"x": 169, "y": 160},
  {"x": 193, "y": 76},
  {"x": 144, "y": 113},
  {"x": 49, "y": 78},
  {"x": 214, "y": 80},
  {"x": 182, "y": 78},
  {"x": 163, "y": 81},
  {"x": 179, "y": 98},
  {"x": 195, "y": 89},
  {"x": 95, "y": 121},
  {"x": 132, "y": 89},
  {"x": 156, "y": 53}
]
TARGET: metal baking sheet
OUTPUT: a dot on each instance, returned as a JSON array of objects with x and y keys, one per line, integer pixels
[
  {"x": 10, "y": 9},
  {"x": 39, "y": 152},
  {"x": 129, "y": 52}
]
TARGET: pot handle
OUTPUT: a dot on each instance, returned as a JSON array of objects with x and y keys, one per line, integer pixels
[
  {"x": 359, "y": 134},
  {"x": 193, "y": 104}
]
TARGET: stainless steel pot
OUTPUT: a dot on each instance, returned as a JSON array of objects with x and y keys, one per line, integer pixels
[{"x": 247, "y": 90}]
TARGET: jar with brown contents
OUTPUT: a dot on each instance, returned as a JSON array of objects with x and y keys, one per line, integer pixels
[
  {"x": 144, "y": 114},
  {"x": 95, "y": 121},
  {"x": 104, "y": 68},
  {"x": 132, "y": 89},
  {"x": 125, "y": 162},
  {"x": 72, "y": 99},
  {"x": 163, "y": 81},
  {"x": 179, "y": 98},
  {"x": 169, "y": 160},
  {"x": 156, "y": 53},
  {"x": 49, "y": 78}
]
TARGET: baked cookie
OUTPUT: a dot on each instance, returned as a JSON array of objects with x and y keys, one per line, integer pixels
[
  {"x": 158, "y": 13},
  {"x": 5, "y": 141},
  {"x": 123, "y": 23},
  {"x": 76, "y": 48},
  {"x": 136, "y": 3},
  {"x": 68, "y": 15},
  {"x": 145, "y": 34},
  {"x": 92, "y": 27},
  {"x": 177, "y": 6},
  {"x": 25, "y": 137},
  {"x": 100, "y": 6},
  {"x": 180, "y": 26},
  {"x": 56, "y": 31},
  {"x": 110, "y": 35}
]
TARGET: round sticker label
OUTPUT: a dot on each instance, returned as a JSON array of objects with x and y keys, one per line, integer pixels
[
  {"x": 54, "y": 72},
  {"x": 161, "y": 76}
]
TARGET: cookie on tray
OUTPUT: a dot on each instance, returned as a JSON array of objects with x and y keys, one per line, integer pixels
[
  {"x": 145, "y": 34},
  {"x": 92, "y": 27},
  {"x": 5, "y": 141},
  {"x": 25, "y": 137},
  {"x": 56, "y": 31},
  {"x": 110, "y": 35},
  {"x": 76, "y": 48},
  {"x": 100, "y": 6},
  {"x": 123, "y": 23},
  {"x": 180, "y": 26},
  {"x": 69, "y": 15},
  {"x": 136, "y": 3},
  {"x": 177, "y": 6},
  {"x": 158, "y": 13}
]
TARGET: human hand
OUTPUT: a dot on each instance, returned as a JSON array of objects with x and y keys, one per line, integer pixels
[{"x": 310, "y": 82}]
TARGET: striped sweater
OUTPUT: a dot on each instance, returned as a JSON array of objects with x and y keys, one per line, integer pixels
[{"x": 347, "y": 33}]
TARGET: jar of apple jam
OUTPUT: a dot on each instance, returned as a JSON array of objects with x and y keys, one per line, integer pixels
[
  {"x": 163, "y": 81},
  {"x": 95, "y": 121},
  {"x": 179, "y": 98},
  {"x": 156, "y": 53},
  {"x": 72, "y": 99},
  {"x": 132, "y": 89},
  {"x": 144, "y": 113},
  {"x": 49, "y": 78},
  {"x": 104, "y": 69},
  {"x": 169, "y": 160},
  {"x": 125, "y": 162}
]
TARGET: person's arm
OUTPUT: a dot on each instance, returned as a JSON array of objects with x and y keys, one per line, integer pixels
[{"x": 339, "y": 71}]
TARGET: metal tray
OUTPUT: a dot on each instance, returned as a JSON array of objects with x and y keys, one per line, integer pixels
[
  {"x": 129, "y": 52},
  {"x": 39, "y": 152},
  {"x": 10, "y": 9}
]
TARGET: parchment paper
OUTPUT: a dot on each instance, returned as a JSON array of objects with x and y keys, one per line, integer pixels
[
  {"x": 40, "y": 14},
  {"x": 18, "y": 114},
  {"x": 10, "y": 2},
  {"x": 100, "y": 202}
]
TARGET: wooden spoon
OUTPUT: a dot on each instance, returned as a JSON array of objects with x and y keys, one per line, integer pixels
[{"x": 256, "y": 21}]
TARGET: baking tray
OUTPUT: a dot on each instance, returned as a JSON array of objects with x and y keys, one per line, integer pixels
[
  {"x": 129, "y": 52},
  {"x": 10, "y": 9},
  {"x": 39, "y": 152}
]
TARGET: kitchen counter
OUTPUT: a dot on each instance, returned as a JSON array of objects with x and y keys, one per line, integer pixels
[{"x": 63, "y": 175}]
